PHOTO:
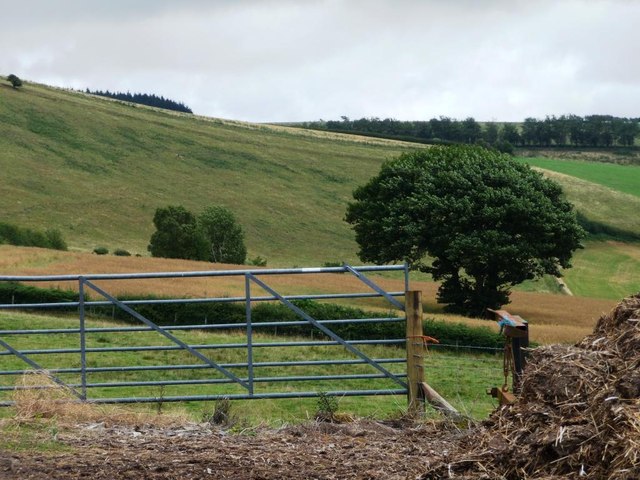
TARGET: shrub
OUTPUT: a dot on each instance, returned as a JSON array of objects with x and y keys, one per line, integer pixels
[
  {"x": 55, "y": 240},
  {"x": 327, "y": 407},
  {"x": 332, "y": 264},
  {"x": 258, "y": 261},
  {"x": 121, "y": 252},
  {"x": 463, "y": 335},
  {"x": 222, "y": 414},
  {"x": 101, "y": 250}
]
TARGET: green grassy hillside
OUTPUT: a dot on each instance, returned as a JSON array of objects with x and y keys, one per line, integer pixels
[
  {"x": 601, "y": 204},
  {"x": 97, "y": 169}
]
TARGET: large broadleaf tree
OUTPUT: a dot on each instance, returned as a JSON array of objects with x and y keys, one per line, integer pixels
[{"x": 476, "y": 220}]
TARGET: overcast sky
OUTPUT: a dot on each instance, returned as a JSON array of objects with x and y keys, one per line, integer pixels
[{"x": 286, "y": 60}]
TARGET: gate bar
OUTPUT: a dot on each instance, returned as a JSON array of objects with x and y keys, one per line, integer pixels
[
  {"x": 375, "y": 287},
  {"x": 257, "y": 396},
  {"x": 303, "y": 363},
  {"x": 168, "y": 335},
  {"x": 204, "y": 273},
  {"x": 222, "y": 326},
  {"x": 38, "y": 368},
  {"x": 83, "y": 344},
  {"x": 330, "y": 333},
  {"x": 324, "y": 296}
]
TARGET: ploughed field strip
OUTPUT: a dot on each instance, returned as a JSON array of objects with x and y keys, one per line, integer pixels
[{"x": 357, "y": 450}]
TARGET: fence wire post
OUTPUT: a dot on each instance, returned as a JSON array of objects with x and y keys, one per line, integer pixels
[
  {"x": 415, "y": 352},
  {"x": 83, "y": 342},
  {"x": 247, "y": 285}
]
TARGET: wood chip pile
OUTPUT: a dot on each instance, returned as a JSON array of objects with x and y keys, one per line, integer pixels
[{"x": 578, "y": 415}]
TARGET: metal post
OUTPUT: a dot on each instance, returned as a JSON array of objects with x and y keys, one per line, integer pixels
[
  {"x": 519, "y": 356},
  {"x": 406, "y": 277},
  {"x": 247, "y": 284},
  {"x": 415, "y": 352},
  {"x": 83, "y": 342}
]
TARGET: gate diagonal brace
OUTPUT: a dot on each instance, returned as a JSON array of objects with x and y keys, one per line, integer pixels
[
  {"x": 364, "y": 279},
  {"x": 38, "y": 368},
  {"x": 328, "y": 332},
  {"x": 168, "y": 335}
]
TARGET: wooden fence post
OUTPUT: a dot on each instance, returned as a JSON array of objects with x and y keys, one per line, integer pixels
[{"x": 415, "y": 352}]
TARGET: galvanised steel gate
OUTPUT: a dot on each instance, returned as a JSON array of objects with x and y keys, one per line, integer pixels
[{"x": 81, "y": 357}]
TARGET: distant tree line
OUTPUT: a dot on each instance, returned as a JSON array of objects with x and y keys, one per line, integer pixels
[
  {"x": 144, "y": 99},
  {"x": 566, "y": 130}
]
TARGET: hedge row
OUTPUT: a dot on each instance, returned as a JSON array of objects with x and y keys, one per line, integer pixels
[
  {"x": 14, "y": 235},
  {"x": 210, "y": 313}
]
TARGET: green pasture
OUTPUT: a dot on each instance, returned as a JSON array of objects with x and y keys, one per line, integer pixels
[
  {"x": 623, "y": 178},
  {"x": 97, "y": 169},
  {"x": 461, "y": 378},
  {"x": 605, "y": 270},
  {"x": 601, "y": 204}
]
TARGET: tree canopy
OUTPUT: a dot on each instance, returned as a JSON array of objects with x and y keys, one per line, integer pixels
[
  {"x": 473, "y": 218},
  {"x": 14, "y": 80},
  {"x": 224, "y": 235},
  {"x": 151, "y": 100},
  {"x": 177, "y": 235},
  {"x": 213, "y": 236},
  {"x": 566, "y": 130}
]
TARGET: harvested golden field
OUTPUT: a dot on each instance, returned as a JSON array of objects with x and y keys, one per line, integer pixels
[{"x": 553, "y": 318}]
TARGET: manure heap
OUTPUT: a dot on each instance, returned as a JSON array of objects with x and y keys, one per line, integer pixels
[{"x": 578, "y": 415}]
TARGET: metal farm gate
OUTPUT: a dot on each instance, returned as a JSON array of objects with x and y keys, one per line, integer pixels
[{"x": 99, "y": 361}]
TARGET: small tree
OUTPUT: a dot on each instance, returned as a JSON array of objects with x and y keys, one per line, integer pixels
[
  {"x": 475, "y": 219},
  {"x": 223, "y": 235},
  {"x": 15, "y": 81},
  {"x": 177, "y": 235}
]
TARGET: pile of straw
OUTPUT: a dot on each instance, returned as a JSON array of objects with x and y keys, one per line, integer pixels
[{"x": 578, "y": 415}]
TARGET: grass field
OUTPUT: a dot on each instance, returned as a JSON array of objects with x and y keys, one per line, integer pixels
[
  {"x": 623, "y": 178},
  {"x": 97, "y": 170},
  {"x": 605, "y": 270},
  {"x": 601, "y": 204},
  {"x": 462, "y": 378}
]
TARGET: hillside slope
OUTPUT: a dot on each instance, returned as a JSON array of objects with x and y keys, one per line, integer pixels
[
  {"x": 97, "y": 169},
  {"x": 599, "y": 203}
]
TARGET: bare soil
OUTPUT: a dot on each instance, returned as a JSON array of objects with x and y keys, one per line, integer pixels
[{"x": 359, "y": 450}]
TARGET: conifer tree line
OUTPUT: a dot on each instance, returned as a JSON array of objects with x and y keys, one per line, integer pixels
[
  {"x": 150, "y": 100},
  {"x": 565, "y": 130}
]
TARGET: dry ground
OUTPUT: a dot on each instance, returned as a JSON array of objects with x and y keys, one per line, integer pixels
[{"x": 360, "y": 450}]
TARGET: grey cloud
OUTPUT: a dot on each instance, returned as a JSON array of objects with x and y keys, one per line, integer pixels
[{"x": 288, "y": 60}]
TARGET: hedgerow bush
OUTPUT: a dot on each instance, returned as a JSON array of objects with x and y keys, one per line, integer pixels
[
  {"x": 26, "y": 237},
  {"x": 451, "y": 335}
]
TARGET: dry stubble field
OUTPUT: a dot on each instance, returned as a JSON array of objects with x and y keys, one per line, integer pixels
[{"x": 553, "y": 318}]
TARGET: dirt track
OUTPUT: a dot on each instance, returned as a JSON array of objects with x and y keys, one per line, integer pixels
[{"x": 361, "y": 450}]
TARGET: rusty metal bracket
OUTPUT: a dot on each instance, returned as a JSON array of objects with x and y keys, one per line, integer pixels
[{"x": 504, "y": 396}]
